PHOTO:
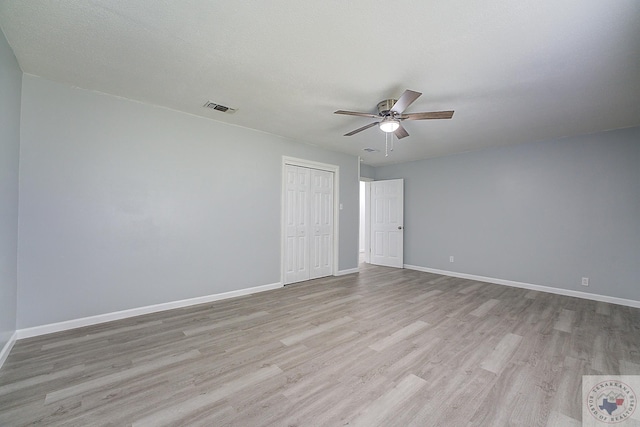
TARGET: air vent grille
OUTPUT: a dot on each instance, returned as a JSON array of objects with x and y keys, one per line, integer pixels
[{"x": 219, "y": 107}]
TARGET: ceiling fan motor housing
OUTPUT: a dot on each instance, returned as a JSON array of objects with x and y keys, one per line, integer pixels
[{"x": 385, "y": 106}]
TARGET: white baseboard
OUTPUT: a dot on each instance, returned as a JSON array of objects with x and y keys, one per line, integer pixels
[
  {"x": 549, "y": 289},
  {"x": 4, "y": 353},
  {"x": 117, "y": 315},
  {"x": 348, "y": 271}
]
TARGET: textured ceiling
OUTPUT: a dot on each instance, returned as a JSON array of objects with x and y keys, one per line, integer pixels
[{"x": 513, "y": 71}]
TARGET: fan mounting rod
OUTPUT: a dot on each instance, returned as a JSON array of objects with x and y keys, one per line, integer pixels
[{"x": 384, "y": 107}]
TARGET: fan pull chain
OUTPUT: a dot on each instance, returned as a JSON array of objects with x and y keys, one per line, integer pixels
[
  {"x": 387, "y": 136},
  {"x": 386, "y": 144}
]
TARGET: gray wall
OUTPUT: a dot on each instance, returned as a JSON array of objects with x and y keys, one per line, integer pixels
[
  {"x": 124, "y": 204},
  {"x": 367, "y": 171},
  {"x": 10, "y": 86},
  {"x": 546, "y": 213}
]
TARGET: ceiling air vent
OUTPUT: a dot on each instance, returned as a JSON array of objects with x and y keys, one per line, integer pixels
[
  {"x": 218, "y": 107},
  {"x": 370, "y": 150}
]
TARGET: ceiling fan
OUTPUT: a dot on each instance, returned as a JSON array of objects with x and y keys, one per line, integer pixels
[{"x": 391, "y": 113}]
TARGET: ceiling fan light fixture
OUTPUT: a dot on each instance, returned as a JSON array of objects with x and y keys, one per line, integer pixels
[{"x": 389, "y": 125}]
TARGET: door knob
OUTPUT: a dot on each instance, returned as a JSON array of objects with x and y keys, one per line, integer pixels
[{"x": 399, "y": 227}]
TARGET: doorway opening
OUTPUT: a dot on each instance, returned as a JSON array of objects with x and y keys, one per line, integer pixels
[{"x": 364, "y": 231}]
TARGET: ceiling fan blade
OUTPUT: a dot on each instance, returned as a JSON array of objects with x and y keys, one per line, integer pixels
[
  {"x": 427, "y": 116},
  {"x": 353, "y": 132},
  {"x": 407, "y": 98},
  {"x": 400, "y": 132},
  {"x": 355, "y": 113}
]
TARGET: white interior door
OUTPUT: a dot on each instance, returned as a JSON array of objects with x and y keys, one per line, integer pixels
[
  {"x": 308, "y": 223},
  {"x": 321, "y": 223},
  {"x": 387, "y": 222},
  {"x": 297, "y": 198}
]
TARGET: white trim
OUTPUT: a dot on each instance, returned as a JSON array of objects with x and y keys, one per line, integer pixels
[
  {"x": 348, "y": 271},
  {"x": 7, "y": 348},
  {"x": 286, "y": 160},
  {"x": 523, "y": 285},
  {"x": 117, "y": 315}
]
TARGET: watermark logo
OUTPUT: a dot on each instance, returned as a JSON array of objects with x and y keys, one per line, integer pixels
[{"x": 610, "y": 400}]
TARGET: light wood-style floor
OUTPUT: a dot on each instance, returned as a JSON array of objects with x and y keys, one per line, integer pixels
[{"x": 383, "y": 347}]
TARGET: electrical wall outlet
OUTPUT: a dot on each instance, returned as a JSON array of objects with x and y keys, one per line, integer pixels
[
  {"x": 451, "y": 258},
  {"x": 585, "y": 281}
]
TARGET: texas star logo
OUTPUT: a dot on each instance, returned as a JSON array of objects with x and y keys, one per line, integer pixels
[{"x": 611, "y": 401}]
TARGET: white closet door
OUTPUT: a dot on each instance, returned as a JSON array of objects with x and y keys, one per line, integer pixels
[
  {"x": 297, "y": 224},
  {"x": 321, "y": 223},
  {"x": 387, "y": 217},
  {"x": 309, "y": 210}
]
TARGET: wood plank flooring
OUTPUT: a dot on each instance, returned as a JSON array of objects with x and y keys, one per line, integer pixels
[{"x": 384, "y": 347}]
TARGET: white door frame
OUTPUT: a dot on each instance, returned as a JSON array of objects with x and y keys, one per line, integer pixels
[{"x": 286, "y": 160}]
